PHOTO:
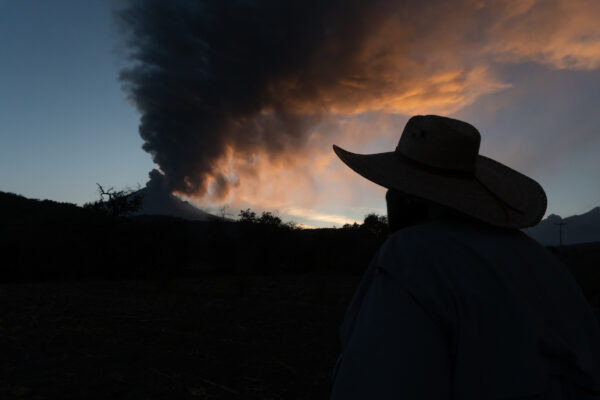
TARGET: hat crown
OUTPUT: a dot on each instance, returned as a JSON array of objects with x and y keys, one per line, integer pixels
[{"x": 440, "y": 142}]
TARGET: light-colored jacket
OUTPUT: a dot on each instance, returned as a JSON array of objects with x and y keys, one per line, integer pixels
[{"x": 449, "y": 309}]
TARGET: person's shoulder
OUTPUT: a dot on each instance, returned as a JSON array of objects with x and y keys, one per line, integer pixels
[
  {"x": 420, "y": 236},
  {"x": 443, "y": 240},
  {"x": 410, "y": 245},
  {"x": 434, "y": 240}
]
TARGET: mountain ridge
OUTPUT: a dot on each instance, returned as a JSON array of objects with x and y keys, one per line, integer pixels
[
  {"x": 579, "y": 228},
  {"x": 164, "y": 203}
]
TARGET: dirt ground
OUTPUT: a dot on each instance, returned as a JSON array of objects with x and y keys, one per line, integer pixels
[
  {"x": 216, "y": 337},
  {"x": 201, "y": 338}
]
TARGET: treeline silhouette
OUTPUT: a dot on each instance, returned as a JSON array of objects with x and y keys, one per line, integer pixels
[{"x": 47, "y": 240}]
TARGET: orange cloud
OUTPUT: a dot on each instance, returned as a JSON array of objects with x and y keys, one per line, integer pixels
[
  {"x": 563, "y": 34},
  {"x": 436, "y": 59}
]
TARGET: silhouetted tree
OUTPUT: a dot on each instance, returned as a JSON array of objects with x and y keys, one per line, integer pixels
[
  {"x": 224, "y": 213},
  {"x": 291, "y": 225},
  {"x": 376, "y": 224},
  {"x": 247, "y": 216},
  {"x": 268, "y": 218},
  {"x": 116, "y": 203},
  {"x": 351, "y": 226}
]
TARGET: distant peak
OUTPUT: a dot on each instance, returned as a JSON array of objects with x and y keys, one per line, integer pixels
[
  {"x": 594, "y": 211},
  {"x": 554, "y": 217}
]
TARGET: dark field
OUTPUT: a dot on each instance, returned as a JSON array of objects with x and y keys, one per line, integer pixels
[
  {"x": 211, "y": 337},
  {"x": 203, "y": 338}
]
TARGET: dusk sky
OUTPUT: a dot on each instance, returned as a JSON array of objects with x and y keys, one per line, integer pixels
[{"x": 241, "y": 104}]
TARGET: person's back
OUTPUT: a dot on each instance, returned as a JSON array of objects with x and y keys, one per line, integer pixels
[{"x": 511, "y": 319}]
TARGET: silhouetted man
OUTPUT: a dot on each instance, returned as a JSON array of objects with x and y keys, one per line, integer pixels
[{"x": 458, "y": 303}]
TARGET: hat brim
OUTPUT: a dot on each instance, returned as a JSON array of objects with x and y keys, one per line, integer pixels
[{"x": 525, "y": 197}]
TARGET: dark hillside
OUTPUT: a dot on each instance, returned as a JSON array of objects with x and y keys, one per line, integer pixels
[
  {"x": 583, "y": 260},
  {"x": 45, "y": 240},
  {"x": 16, "y": 209}
]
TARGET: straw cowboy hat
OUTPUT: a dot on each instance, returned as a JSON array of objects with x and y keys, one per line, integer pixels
[{"x": 437, "y": 159}]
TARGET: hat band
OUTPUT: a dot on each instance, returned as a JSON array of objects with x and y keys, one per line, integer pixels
[
  {"x": 455, "y": 173},
  {"x": 460, "y": 174}
]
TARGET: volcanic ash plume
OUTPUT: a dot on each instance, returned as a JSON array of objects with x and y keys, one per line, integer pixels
[{"x": 228, "y": 90}]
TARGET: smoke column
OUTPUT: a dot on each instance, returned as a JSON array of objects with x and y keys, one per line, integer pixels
[{"x": 213, "y": 76}]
